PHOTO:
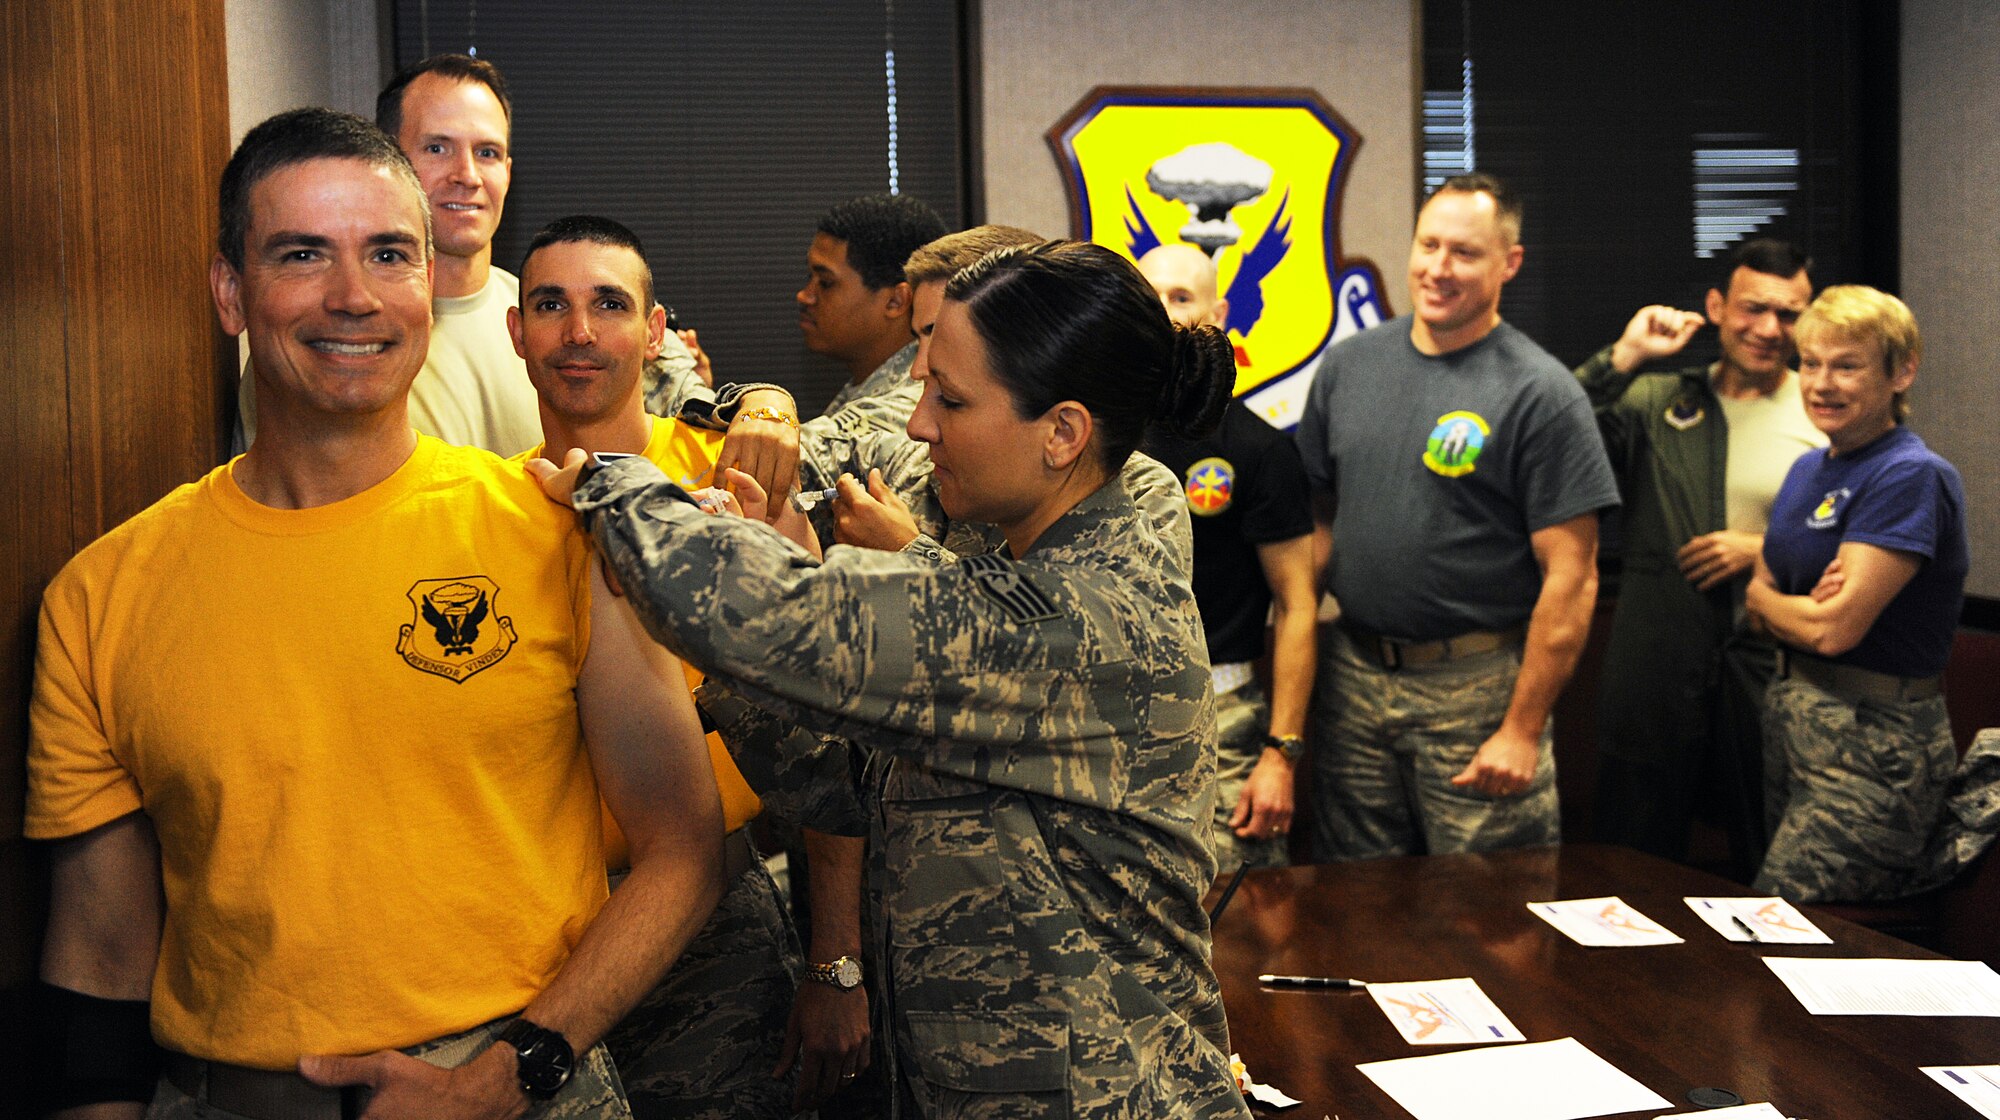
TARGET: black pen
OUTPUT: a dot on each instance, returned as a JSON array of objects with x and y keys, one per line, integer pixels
[
  {"x": 1745, "y": 927},
  {"x": 1312, "y": 982},
  {"x": 1228, "y": 893}
]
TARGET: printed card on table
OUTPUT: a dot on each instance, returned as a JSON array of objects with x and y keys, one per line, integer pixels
[
  {"x": 1603, "y": 922},
  {"x": 1769, "y": 920},
  {"x": 1977, "y": 1086},
  {"x": 1443, "y": 1012}
]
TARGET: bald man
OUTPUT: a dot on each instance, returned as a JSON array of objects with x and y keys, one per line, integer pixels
[{"x": 1252, "y": 552}]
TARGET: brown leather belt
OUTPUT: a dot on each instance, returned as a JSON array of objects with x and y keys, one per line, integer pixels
[
  {"x": 1394, "y": 653},
  {"x": 1856, "y": 683},
  {"x": 260, "y": 1094},
  {"x": 281, "y": 1094}
]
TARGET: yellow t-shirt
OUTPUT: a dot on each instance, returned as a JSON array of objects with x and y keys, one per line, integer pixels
[
  {"x": 686, "y": 455},
  {"x": 354, "y": 729}
]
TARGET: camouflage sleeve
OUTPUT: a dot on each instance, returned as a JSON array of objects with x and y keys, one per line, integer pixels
[
  {"x": 878, "y": 412},
  {"x": 671, "y": 382},
  {"x": 1015, "y": 674},
  {"x": 1161, "y": 501},
  {"x": 676, "y": 397},
  {"x": 811, "y": 780},
  {"x": 826, "y": 453}
]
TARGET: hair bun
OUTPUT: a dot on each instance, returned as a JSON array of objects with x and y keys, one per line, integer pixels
[{"x": 1200, "y": 383}]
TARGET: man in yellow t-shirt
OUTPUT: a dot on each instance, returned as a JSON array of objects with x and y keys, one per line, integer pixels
[
  {"x": 320, "y": 738},
  {"x": 704, "y": 1043}
]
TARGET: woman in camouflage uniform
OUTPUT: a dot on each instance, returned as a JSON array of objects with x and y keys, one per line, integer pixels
[{"x": 1045, "y": 734}]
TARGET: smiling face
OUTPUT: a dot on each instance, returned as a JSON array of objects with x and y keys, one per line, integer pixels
[
  {"x": 334, "y": 292},
  {"x": 1754, "y": 320},
  {"x": 584, "y": 328},
  {"x": 1460, "y": 258},
  {"x": 455, "y": 133},
  {"x": 988, "y": 463},
  {"x": 1848, "y": 388}
]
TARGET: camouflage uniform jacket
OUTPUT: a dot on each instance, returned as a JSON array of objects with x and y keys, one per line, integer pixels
[{"x": 1041, "y": 820}]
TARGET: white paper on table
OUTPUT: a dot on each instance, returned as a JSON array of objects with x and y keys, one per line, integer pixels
[
  {"x": 1977, "y": 1086},
  {"x": 1877, "y": 986},
  {"x": 1267, "y": 1094},
  {"x": 1443, "y": 1012},
  {"x": 1603, "y": 921},
  {"x": 1775, "y": 921},
  {"x": 1733, "y": 1112},
  {"x": 1559, "y": 1080}
]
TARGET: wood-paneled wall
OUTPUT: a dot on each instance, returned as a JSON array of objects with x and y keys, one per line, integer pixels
[{"x": 118, "y": 384}]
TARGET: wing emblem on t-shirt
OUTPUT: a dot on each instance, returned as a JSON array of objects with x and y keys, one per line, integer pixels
[
  {"x": 1454, "y": 445},
  {"x": 1211, "y": 483},
  {"x": 1827, "y": 514},
  {"x": 455, "y": 632}
]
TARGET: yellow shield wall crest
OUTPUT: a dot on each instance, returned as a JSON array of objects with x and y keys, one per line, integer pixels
[
  {"x": 457, "y": 629},
  {"x": 1251, "y": 177}
]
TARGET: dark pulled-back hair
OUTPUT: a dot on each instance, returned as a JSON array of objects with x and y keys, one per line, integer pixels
[
  {"x": 881, "y": 231},
  {"x": 597, "y": 231},
  {"x": 296, "y": 137},
  {"x": 458, "y": 67},
  {"x": 1068, "y": 320},
  {"x": 1767, "y": 255}
]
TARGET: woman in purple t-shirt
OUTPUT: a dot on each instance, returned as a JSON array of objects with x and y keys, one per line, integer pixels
[{"x": 1861, "y": 579}]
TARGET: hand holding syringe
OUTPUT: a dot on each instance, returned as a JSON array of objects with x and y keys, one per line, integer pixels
[{"x": 805, "y": 501}]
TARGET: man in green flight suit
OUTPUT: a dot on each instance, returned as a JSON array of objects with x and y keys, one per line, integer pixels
[{"x": 1699, "y": 453}]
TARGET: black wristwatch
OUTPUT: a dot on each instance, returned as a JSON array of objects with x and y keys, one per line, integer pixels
[
  {"x": 544, "y": 1059},
  {"x": 1293, "y": 747}
]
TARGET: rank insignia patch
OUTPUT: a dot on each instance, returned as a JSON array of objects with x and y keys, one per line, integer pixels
[
  {"x": 1454, "y": 445},
  {"x": 1211, "y": 483},
  {"x": 1022, "y": 600},
  {"x": 1250, "y": 177},
  {"x": 455, "y": 631}
]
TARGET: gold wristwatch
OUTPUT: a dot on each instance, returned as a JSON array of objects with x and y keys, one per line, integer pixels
[{"x": 842, "y": 972}]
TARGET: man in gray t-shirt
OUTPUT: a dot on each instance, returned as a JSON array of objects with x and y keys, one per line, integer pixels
[{"x": 1457, "y": 476}]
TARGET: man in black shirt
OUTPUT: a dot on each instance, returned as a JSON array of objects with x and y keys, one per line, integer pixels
[{"x": 1252, "y": 552}]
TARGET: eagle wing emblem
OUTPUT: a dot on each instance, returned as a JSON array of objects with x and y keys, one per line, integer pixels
[
  {"x": 1246, "y": 291},
  {"x": 1139, "y": 236},
  {"x": 439, "y": 623}
]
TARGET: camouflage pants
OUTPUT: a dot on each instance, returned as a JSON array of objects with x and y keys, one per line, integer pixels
[
  {"x": 1853, "y": 788},
  {"x": 1241, "y": 719},
  {"x": 702, "y": 1043},
  {"x": 1386, "y": 745},
  {"x": 592, "y": 1092}
]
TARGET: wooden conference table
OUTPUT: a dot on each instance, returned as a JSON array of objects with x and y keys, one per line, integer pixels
[{"x": 1706, "y": 1013}]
